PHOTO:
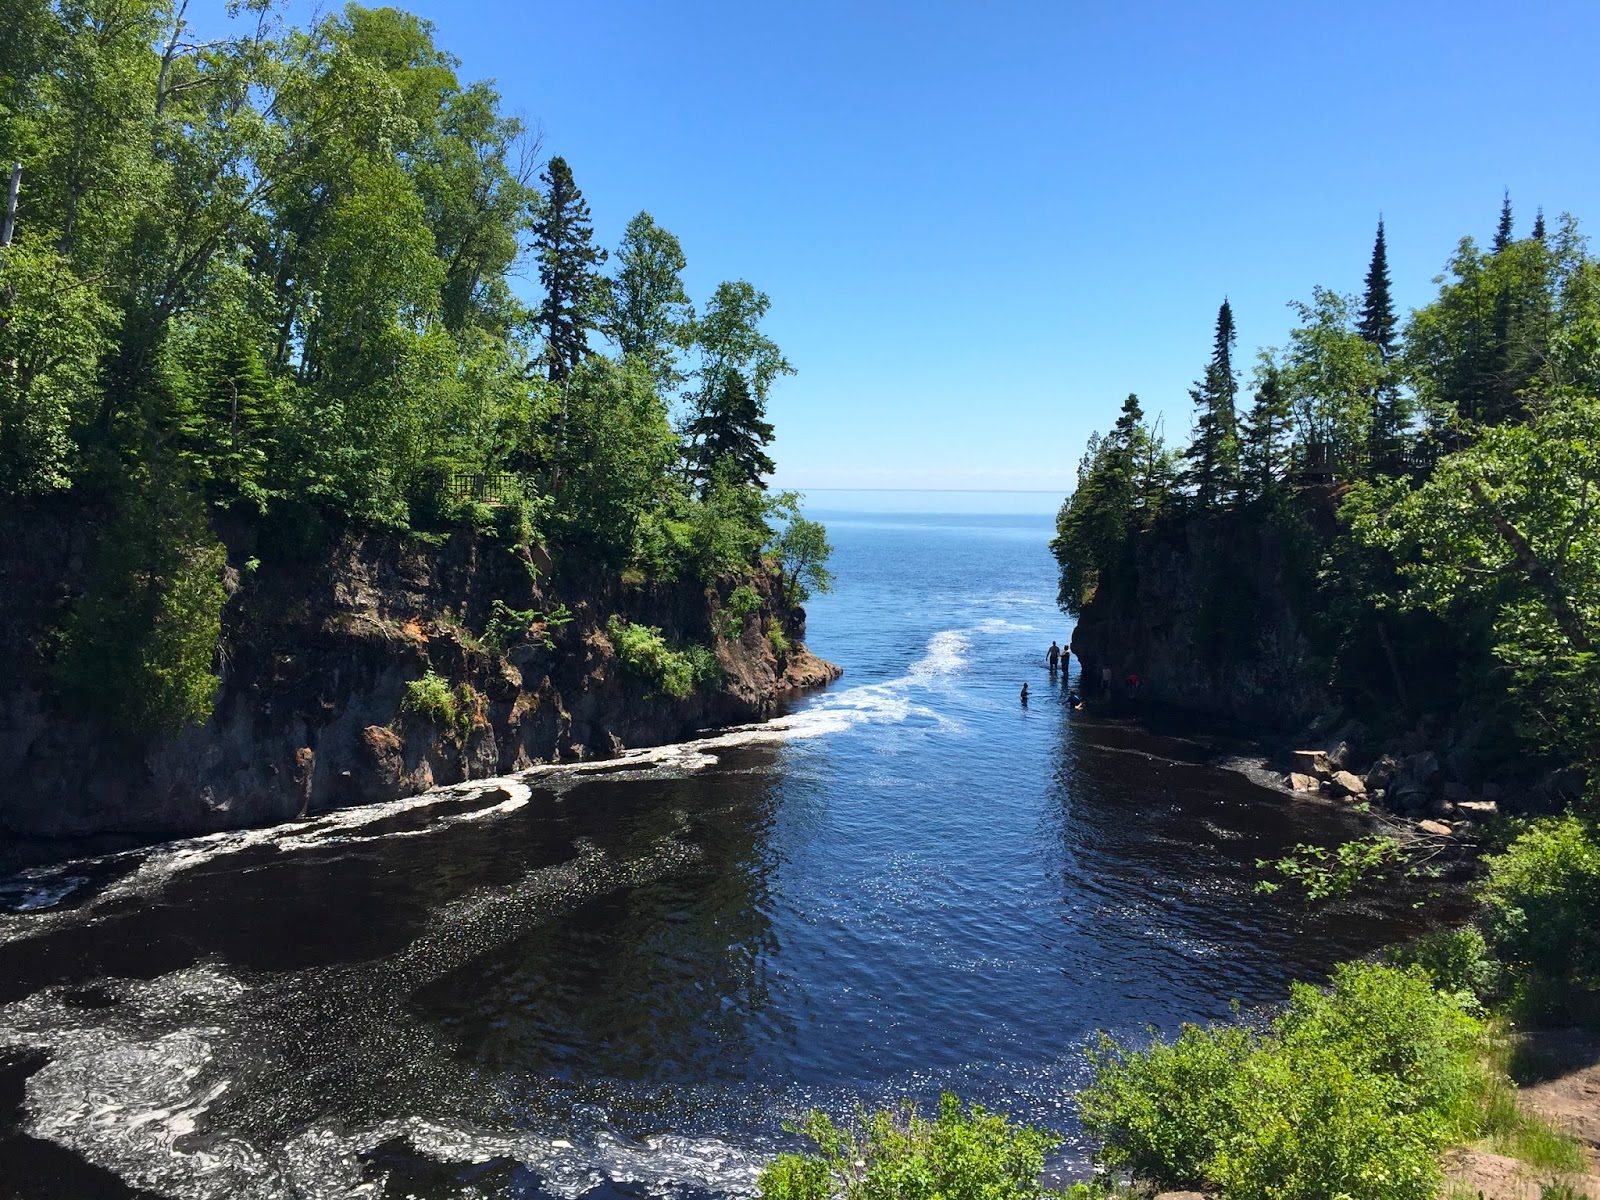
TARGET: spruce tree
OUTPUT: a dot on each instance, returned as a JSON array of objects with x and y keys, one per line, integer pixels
[
  {"x": 1377, "y": 321},
  {"x": 1264, "y": 448},
  {"x": 1214, "y": 451},
  {"x": 1538, "y": 226},
  {"x": 1502, "y": 235},
  {"x": 732, "y": 434},
  {"x": 563, "y": 235},
  {"x": 1377, "y": 325}
]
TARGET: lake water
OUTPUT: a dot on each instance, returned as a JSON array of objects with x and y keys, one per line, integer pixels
[{"x": 619, "y": 982}]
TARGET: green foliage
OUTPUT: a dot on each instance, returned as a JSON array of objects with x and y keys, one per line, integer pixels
[
  {"x": 645, "y": 310},
  {"x": 645, "y": 652},
  {"x": 1352, "y": 1091},
  {"x": 725, "y": 530},
  {"x": 1330, "y": 375},
  {"x": 1125, "y": 482},
  {"x": 1330, "y": 874},
  {"x": 800, "y": 549},
  {"x": 960, "y": 1154},
  {"x": 431, "y": 698},
  {"x": 614, "y": 463},
  {"x": 507, "y": 626},
  {"x": 1542, "y": 909},
  {"x": 776, "y": 637},
  {"x": 563, "y": 233},
  {"x": 1213, "y": 452},
  {"x": 138, "y": 647},
  {"x": 1456, "y": 960},
  {"x": 1507, "y": 531},
  {"x": 742, "y": 604}
]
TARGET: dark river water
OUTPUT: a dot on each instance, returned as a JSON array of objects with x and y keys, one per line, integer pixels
[{"x": 619, "y": 981}]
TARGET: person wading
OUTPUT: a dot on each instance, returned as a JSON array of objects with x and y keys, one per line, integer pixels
[{"x": 1053, "y": 655}]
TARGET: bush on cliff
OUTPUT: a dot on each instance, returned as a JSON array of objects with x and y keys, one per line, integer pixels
[
  {"x": 645, "y": 652},
  {"x": 1352, "y": 1091}
]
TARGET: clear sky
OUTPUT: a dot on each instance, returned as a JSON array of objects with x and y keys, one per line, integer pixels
[{"x": 982, "y": 225}]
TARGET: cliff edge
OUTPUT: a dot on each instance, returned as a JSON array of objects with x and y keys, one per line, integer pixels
[{"x": 320, "y": 649}]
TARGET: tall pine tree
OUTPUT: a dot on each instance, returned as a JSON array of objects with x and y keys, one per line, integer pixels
[
  {"x": 563, "y": 236},
  {"x": 1538, "y": 226},
  {"x": 1214, "y": 451},
  {"x": 1502, "y": 235},
  {"x": 1377, "y": 325}
]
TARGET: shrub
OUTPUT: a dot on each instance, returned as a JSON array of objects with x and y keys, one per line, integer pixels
[
  {"x": 1456, "y": 960},
  {"x": 430, "y": 697},
  {"x": 1352, "y": 1091},
  {"x": 645, "y": 652},
  {"x": 743, "y": 603},
  {"x": 775, "y": 635},
  {"x": 961, "y": 1154},
  {"x": 1542, "y": 908}
]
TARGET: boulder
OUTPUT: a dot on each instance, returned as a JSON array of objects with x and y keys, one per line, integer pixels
[
  {"x": 1421, "y": 768},
  {"x": 1457, "y": 792},
  {"x": 1304, "y": 783},
  {"x": 1382, "y": 773},
  {"x": 1478, "y": 810},
  {"x": 1437, "y": 828},
  {"x": 1311, "y": 762},
  {"x": 1347, "y": 784}
]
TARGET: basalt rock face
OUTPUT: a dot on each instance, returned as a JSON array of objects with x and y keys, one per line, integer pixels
[
  {"x": 316, "y": 651},
  {"x": 1207, "y": 620}
]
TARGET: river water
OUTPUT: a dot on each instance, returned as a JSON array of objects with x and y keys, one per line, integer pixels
[{"x": 617, "y": 981}]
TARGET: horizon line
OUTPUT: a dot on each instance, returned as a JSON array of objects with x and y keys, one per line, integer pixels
[{"x": 992, "y": 491}]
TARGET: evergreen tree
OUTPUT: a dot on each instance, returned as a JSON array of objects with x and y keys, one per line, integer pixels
[
  {"x": 730, "y": 436},
  {"x": 1214, "y": 451},
  {"x": 1376, "y": 325},
  {"x": 563, "y": 235},
  {"x": 1377, "y": 321},
  {"x": 1264, "y": 447},
  {"x": 1502, "y": 235},
  {"x": 1538, "y": 225}
]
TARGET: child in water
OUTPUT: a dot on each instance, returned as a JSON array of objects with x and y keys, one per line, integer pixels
[{"x": 1024, "y": 695}]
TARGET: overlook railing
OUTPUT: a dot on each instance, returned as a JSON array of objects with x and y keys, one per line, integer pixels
[{"x": 496, "y": 487}]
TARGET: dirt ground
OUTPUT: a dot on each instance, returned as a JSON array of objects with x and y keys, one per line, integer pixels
[{"x": 1560, "y": 1076}]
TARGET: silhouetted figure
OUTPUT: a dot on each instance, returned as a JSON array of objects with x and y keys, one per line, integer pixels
[
  {"x": 1053, "y": 655},
  {"x": 1075, "y": 700},
  {"x": 1024, "y": 695}
]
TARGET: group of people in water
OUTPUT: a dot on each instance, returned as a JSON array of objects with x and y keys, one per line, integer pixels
[{"x": 1054, "y": 658}]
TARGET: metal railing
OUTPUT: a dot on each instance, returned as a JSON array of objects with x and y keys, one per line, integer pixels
[{"x": 496, "y": 487}]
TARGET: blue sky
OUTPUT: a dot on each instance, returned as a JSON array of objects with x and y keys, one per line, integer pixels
[{"x": 982, "y": 225}]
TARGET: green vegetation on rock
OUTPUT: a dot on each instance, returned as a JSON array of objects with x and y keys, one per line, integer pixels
[
  {"x": 645, "y": 652},
  {"x": 272, "y": 269}
]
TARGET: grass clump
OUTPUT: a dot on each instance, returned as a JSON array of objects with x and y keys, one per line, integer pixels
[
  {"x": 959, "y": 1154},
  {"x": 1353, "y": 1091},
  {"x": 432, "y": 698},
  {"x": 645, "y": 652}
]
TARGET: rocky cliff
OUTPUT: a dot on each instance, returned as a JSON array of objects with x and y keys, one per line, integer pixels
[
  {"x": 318, "y": 646},
  {"x": 1207, "y": 616}
]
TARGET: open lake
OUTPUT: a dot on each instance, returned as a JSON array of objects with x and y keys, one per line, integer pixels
[{"x": 619, "y": 982}]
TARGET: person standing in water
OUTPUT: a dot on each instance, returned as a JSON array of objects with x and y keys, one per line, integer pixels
[
  {"x": 1053, "y": 655},
  {"x": 1024, "y": 695}
]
